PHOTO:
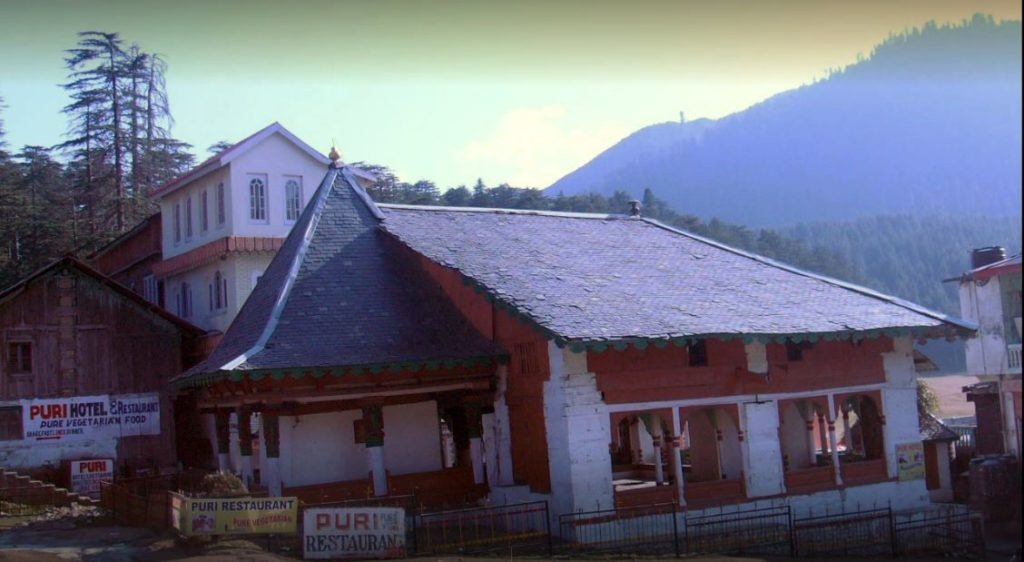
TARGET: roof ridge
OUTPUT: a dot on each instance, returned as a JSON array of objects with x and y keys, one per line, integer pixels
[
  {"x": 817, "y": 276},
  {"x": 315, "y": 209},
  {"x": 500, "y": 210}
]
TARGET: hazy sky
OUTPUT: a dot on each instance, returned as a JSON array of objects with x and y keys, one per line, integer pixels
[{"x": 512, "y": 91}]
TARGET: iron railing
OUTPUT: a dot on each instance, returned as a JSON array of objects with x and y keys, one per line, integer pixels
[{"x": 653, "y": 529}]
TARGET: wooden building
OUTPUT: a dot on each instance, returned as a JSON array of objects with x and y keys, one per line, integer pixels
[
  {"x": 596, "y": 361},
  {"x": 84, "y": 369}
]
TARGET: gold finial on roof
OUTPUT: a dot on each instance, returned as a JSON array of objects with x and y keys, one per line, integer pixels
[{"x": 335, "y": 156}]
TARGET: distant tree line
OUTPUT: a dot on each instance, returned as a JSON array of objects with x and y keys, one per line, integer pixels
[
  {"x": 766, "y": 242},
  {"x": 118, "y": 146}
]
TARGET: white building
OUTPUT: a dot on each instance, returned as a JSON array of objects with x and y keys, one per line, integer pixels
[
  {"x": 224, "y": 220},
  {"x": 990, "y": 295}
]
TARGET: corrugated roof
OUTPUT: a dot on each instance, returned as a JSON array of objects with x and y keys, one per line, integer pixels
[
  {"x": 593, "y": 278},
  {"x": 341, "y": 292}
]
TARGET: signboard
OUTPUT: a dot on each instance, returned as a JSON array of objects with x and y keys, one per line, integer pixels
[
  {"x": 78, "y": 418},
  {"x": 910, "y": 459},
  {"x": 353, "y": 532},
  {"x": 234, "y": 516},
  {"x": 86, "y": 476}
]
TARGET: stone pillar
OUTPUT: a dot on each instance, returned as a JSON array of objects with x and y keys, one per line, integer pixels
[
  {"x": 373, "y": 424},
  {"x": 762, "y": 450},
  {"x": 822, "y": 434},
  {"x": 245, "y": 442},
  {"x": 475, "y": 428},
  {"x": 222, "y": 424},
  {"x": 675, "y": 460},
  {"x": 578, "y": 432},
  {"x": 271, "y": 474},
  {"x": 654, "y": 427}
]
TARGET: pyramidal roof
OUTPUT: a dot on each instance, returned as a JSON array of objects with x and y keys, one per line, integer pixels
[{"x": 341, "y": 293}]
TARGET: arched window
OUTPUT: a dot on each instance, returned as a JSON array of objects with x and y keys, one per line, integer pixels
[
  {"x": 292, "y": 199},
  {"x": 258, "y": 199},
  {"x": 219, "y": 292},
  {"x": 221, "y": 213}
]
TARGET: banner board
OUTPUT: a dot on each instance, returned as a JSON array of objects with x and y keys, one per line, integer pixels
[
  {"x": 78, "y": 418},
  {"x": 353, "y": 532},
  {"x": 910, "y": 459},
  {"x": 86, "y": 476},
  {"x": 234, "y": 516}
]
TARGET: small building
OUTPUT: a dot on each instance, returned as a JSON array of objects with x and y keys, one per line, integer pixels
[
  {"x": 990, "y": 295},
  {"x": 597, "y": 361},
  {"x": 938, "y": 442},
  {"x": 84, "y": 369},
  {"x": 223, "y": 221}
]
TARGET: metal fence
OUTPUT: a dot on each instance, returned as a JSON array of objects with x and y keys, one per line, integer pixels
[
  {"x": 752, "y": 531},
  {"x": 653, "y": 529},
  {"x": 867, "y": 533},
  {"x": 517, "y": 529},
  {"x": 950, "y": 530}
]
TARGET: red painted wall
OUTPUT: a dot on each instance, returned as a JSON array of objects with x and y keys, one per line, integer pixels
[
  {"x": 528, "y": 369},
  {"x": 652, "y": 374}
]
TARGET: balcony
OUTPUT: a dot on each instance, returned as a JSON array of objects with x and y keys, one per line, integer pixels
[{"x": 1013, "y": 358}]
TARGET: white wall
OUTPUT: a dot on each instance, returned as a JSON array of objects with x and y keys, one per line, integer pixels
[
  {"x": 982, "y": 304},
  {"x": 764, "y": 455},
  {"x": 899, "y": 400},
  {"x": 194, "y": 190},
  {"x": 412, "y": 438},
  {"x": 276, "y": 157},
  {"x": 318, "y": 448}
]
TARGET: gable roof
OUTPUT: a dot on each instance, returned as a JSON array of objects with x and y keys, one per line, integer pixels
[
  {"x": 71, "y": 261},
  {"x": 588, "y": 279},
  {"x": 341, "y": 294},
  {"x": 932, "y": 429},
  {"x": 226, "y": 156}
]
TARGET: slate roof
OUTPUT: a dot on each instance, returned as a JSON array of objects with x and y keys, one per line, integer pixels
[
  {"x": 340, "y": 293},
  {"x": 934, "y": 430},
  {"x": 599, "y": 278}
]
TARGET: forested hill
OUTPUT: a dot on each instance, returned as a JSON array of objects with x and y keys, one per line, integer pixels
[{"x": 930, "y": 123}]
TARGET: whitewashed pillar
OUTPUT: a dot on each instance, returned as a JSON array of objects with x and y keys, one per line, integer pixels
[
  {"x": 502, "y": 430},
  {"x": 373, "y": 424},
  {"x": 676, "y": 451},
  {"x": 476, "y": 443},
  {"x": 271, "y": 472},
  {"x": 245, "y": 443},
  {"x": 832, "y": 440},
  {"x": 222, "y": 425},
  {"x": 811, "y": 447}
]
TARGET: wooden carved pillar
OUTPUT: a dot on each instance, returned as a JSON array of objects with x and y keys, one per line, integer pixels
[{"x": 373, "y": 426}]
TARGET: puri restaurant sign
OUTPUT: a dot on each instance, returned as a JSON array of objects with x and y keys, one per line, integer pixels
[
  {"x": 234, "y": 516},
  {"x": 86, "y": 475},
  {"x": 353, "y": 532},
  {"x": 78, "y": 418}
]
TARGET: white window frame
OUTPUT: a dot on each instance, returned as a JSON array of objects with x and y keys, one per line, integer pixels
[
  {"x": 149, "y": 289},
  {"x": 204, "y": 212},
  {"x": 221, "y": 203},
  {"x": 177, "y": 222},
  {"x": 292, "y": 201},
  {"x": 259, "y": 203},
  {"x": 188, "y": 218}
]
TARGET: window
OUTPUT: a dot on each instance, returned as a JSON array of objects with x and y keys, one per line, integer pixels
[
  {"x": 10, "y": 423},
  {"x": 258, "y": 199},
  {"x": 184, "y": 297},
  {"x": 19, "y": 357},
  {"x": 188, "y": 218},
  {"x": 149, "y": 289},
  {"x": 293, "y": 198},
  {"x": 204, "y": 212},
  {"x": 698, "y": 353},
  {"x": 219, "y": 292},
  {"x": 220, "y": 204},
  {"x": 177, "y": 223},
  {"x": 795, "y": 351}
]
